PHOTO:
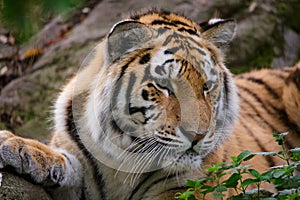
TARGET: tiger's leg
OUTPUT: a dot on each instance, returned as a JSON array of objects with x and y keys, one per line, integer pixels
[{"x": 48, "y": 167}]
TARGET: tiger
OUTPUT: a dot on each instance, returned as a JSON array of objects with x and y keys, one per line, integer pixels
[{"x": 152, "y": 104}]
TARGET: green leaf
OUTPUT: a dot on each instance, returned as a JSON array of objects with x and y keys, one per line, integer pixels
[
  {"x": 249, "y": 181},
  {"x": 280, "y": 152},
  {"x": 278, "y": 173},
  {"x": 190, "y": 183},
  {"x": 213, "y": 168},
  {"x": 249, "y": 157},
  {"x": 295, "y": 156},
  {"x": 220, "y": 175},
  {"x": 234, "y": 159},
  {"x": 242, "y": 167},
  {"x": 220, "y": 188},
  {"x": 200, "y": 181},
  {"x": 222, "y": 168},
  {"x": 186, "y": 195},
  {"x": 208, "y": 189},
  {"x": 238, "y": 197},
  {"x": 242, "y": 155},
  {"x": 275, "y": 134},
  {"x": 232, "y": 181},
  {"x": 267, "y": 176},
  {"x": 218, "y": 195},
  {"x": 254, "y": 173}
]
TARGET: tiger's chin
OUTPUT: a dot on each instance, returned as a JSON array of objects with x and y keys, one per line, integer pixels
[{"x": 187, "y": 161}]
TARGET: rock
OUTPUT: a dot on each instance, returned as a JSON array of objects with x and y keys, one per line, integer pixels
[
  {"x": 13, "y": 187},
  {"x": 290, "y": 52}
]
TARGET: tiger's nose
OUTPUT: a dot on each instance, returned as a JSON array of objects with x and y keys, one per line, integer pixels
[{"x": 193, "y": 136}]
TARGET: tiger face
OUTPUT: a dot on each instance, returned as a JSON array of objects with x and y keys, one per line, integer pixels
[{"x": 164, "y": 98}]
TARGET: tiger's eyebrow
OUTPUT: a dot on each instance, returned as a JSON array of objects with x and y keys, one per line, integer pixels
[{"x": 168, "y": 61}]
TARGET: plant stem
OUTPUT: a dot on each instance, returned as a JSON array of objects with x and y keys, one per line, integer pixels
[
  {"x": 286, "y": 157},
  {"x": 258, "y": 190}
]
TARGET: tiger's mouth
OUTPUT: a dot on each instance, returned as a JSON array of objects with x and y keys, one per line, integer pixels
[
  {"x": 191, "y": 153},
  {"x": 185, "y": 161}
]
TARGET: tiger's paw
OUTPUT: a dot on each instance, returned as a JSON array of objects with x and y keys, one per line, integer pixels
[{"x": 31, "y": 158}]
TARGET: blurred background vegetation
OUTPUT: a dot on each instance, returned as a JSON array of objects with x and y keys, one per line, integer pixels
[{"x": 25, "y": 18}]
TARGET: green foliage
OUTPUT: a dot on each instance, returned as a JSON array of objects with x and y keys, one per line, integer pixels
[
  {"x": 25, "y": 18},
  {"x": 284, "y": 178}
]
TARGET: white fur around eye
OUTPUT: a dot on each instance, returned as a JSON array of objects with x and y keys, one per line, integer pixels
[{"x": 163, "y": 90}]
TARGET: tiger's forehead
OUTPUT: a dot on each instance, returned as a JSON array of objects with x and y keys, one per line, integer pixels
[{"x": 168, "y": 20}]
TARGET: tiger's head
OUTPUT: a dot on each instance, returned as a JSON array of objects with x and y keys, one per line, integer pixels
[{"x": 163, "y": 97}]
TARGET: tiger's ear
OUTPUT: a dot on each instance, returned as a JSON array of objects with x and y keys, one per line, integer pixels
[
  {"x": 219, "y": 31},
  {"x": 127, "y": 36}
]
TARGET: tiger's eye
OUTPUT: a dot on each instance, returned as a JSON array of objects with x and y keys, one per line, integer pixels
[
  {"x": 162, "y": 82},
  {"x": 205, "y": 88}
]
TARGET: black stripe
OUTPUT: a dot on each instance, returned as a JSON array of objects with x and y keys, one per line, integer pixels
[
  {"x": 264, "y": 84},
  {"x": 180, "y": 22},
  {"x": 160, "y": 180},
  {"x": 258, "y": 113},
  {"x": 176, "y": 190},
  {"x": 171, "y": 50},
  {"x": 162, "y": 22},
  {"x": 279, "y": 112},
  {"x": 183, "y": 68},
  {"x": 190, "y": 31},
  {"x": 149, "y": 186},
  {"x": 133, "y": 110},
  {"x": 170, "y": 38},
  {"x": 72, "y": 131},
  {"x": 226, "y": 88},
  {"x": 147, "y": 74},
  {"x": 145, "y": 58},
  {"x": 129, "y": 89},
  {"x": 294, "y": 77},
  {"x": 168, "y": 61},
  {"x": 168, "y": 52},
  {"x": 202, "y": 52},
  {"x": 258, "y": 99},
  {"x": 124, "y": 67},
  {"x": 277, "y": 75},
  {"x": 137, "y": 188},
  {"x": 268, "y": 158},
  {"x": 285, "y": 119}
]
